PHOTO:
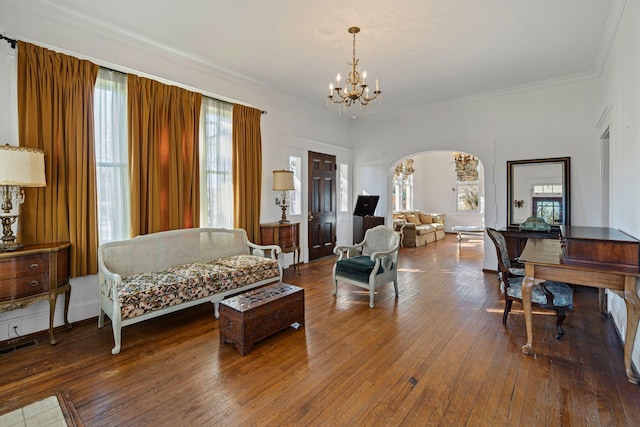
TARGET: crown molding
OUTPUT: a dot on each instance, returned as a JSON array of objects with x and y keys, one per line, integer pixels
[
  {"x": 529, "y": 87},
  {"x": 49, "y": 11},
  {"x": 613, "y": 20}
]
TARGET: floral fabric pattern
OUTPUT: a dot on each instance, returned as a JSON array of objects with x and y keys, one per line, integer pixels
[{"x": 145, "y": 292}]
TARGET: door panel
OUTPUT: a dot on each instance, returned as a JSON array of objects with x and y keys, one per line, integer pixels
[{"x": 322, "y": 205}]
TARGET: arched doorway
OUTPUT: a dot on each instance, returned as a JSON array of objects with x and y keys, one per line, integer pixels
[{"x": 435, "y": 184}]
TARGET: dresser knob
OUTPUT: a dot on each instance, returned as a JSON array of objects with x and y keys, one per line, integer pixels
[
  {"x": 34, "y": 266},
  {"x": 33, "y": 283}
]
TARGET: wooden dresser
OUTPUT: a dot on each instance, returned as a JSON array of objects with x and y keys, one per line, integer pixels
[
  {"x": 286, "y": 235},
  {"x": 34, "y": 273}
]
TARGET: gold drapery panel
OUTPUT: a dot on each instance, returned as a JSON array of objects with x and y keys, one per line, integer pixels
[
  {"x": 164, "y": 126},
  {"x": 247, "y": 170},
  {"x": 466, "y": 167},
  {"x": 55, "y": 114}
]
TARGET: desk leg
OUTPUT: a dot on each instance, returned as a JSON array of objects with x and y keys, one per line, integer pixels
[
  {"x": 602, "y": 302},
  {"x": 527, "y": 285},
  {"x": 633, "y": 315},
  {"x": 459, "y": 239}
]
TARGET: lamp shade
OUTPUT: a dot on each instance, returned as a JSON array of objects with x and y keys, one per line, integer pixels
[
  {"x": 22, "y": 166},
  {"x": 283, "y": 180}
]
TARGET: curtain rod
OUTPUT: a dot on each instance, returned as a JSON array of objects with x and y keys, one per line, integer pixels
[{"x": 12, "y": 42}]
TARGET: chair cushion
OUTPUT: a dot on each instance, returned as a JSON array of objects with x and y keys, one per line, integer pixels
[
  {"x": 516, "y": 271},
  {"x": 357, "y": 264},
  {"x": 562, "y": 293}
]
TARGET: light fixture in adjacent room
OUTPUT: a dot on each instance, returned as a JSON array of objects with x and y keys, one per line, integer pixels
[
  {"x": 283, "y": 182},
  {"x": 355, "y": 88},
  {"x": 19, "y": 167}
]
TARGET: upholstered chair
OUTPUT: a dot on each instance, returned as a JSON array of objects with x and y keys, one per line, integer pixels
[
  {"x": 550, "y": 295},
  {"x": 370, "y": 263}
]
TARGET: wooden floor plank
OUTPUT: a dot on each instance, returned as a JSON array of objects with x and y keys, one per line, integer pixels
[{"x": 436, "y": 355}]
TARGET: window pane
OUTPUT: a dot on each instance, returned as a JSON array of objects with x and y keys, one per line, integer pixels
[
  {"x": 344, "y": 187},
  {"x": 295, "y": 205},
  {"x": 467, "y": 195},
  {"x": 112, "y": 171},
  {"x": 216, "y": 185}
]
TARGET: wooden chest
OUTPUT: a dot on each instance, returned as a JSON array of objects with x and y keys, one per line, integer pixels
[{"x": 255, "y": 315}]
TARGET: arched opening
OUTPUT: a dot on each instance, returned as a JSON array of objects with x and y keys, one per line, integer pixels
[{"x": 441, "y": 182}]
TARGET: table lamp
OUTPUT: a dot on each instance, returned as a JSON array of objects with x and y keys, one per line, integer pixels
[
  {"x": 283, "y": 182},
  {"x": 19, "y": 167}
]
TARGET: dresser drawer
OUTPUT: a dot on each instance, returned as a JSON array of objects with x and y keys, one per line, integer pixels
[
  {"x": 24, "y": 286},
  {"x": 28, "y": 265}
]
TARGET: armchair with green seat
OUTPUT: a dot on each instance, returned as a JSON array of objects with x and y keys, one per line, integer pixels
[{"x": 376, "y": 264}]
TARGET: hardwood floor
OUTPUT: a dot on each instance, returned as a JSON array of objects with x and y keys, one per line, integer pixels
[{"x": 437, "y": 355}]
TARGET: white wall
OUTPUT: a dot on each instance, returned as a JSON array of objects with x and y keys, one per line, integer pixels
[
  {"x": 434, "y": 182},
  {"x": 545, "y": 121},
  {"x": 289, "y": 122},
  {"x": 618, "y": 106}
]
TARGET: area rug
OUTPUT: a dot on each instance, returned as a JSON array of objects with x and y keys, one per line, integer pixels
[{"x": 57, "y": 410}]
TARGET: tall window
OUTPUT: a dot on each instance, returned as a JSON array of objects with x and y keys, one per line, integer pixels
[
  {"x": 112, "y": 170},
  {"x": 403, "y": 186},
  {"x": 467, "y": 182},
  {"x": 216, "y": 185},
  {"x": 344, "y": 187},
  {"x": 295, "y": 205}
]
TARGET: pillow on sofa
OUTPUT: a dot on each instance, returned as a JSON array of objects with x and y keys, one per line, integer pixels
[
  {"x": 425, "y": 218},
  {"x": 412, "y": 219},
  {"x": 399, "y": 217}
]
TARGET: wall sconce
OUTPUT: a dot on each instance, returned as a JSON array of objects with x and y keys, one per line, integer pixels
[
  {"x": 518, "y": 203},
  {"x": 19, "y": 167},
  {"x": 283, "y": 182}
]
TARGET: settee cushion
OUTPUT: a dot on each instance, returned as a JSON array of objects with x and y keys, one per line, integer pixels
[{"x": 145, "y": 292}]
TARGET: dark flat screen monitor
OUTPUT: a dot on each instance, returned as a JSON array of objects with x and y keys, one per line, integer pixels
[{"x": 366, "y": 205}]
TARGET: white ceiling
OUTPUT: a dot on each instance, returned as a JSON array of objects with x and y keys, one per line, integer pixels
[{"x": 422, "y": 51}]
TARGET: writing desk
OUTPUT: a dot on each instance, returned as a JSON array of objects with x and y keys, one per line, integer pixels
[{"x": 543, "y": 260}]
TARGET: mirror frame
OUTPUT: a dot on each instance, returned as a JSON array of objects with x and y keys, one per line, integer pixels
[{"x": 566, "y": 186}]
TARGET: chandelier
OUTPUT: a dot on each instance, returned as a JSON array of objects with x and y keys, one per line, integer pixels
[
  {"x": 403, "y": 170},
  {"x": 355, "y": 88},
  {"x": 466, "y": 166}
]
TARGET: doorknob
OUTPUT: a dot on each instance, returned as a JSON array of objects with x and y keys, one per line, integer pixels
[{"x": 310, "y": 216}]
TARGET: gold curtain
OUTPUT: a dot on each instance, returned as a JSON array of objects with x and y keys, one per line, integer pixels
[
  {"x": 247, "y": 170},
  {"x": 55, "y": 114},
  {"x": 164, "y": 123}
]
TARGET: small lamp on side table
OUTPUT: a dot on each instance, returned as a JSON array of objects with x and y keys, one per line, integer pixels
[
  {"x": 283, "y": 182},
  {"x": 19, "y": 167}
]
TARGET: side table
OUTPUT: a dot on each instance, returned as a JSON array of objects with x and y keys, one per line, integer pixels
[
  {"x": 285, "y": 235},
  {"x": 34, "y": 273}
]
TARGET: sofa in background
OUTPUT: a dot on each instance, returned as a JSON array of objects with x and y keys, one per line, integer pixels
[
  {"x": 154, "y": 274},
  {"x": 418, "y": 228}
]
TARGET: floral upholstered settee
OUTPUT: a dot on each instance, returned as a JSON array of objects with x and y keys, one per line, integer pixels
[
  {"x": 159, "y": 273},
  {"x": 418, "y": 228}
]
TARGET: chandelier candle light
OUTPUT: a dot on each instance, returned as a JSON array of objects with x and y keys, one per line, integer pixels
[
  {"x": 355, "y": 88},
  {"x": 19, "y": 167}
]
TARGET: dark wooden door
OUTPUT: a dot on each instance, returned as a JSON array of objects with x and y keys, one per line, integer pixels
[{"x": 322, "y": 205}]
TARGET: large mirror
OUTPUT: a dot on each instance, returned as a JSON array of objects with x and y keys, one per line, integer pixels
[{"x": 539, "y": 187}]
